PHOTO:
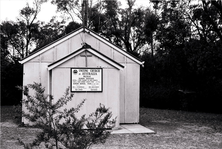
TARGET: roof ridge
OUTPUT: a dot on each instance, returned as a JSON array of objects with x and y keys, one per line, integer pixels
[
  {"x": 88, "y": 31},
  {"x": 85, "y": 48}
]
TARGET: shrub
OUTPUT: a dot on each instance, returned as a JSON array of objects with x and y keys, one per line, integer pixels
[{"x": 62, "y": 128}]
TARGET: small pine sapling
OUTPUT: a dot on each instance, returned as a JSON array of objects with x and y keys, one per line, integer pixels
[
  {"x": 82, "y": 133},
  {"x": 62, "y": 128},
  {"x": 44, "y": 112}
]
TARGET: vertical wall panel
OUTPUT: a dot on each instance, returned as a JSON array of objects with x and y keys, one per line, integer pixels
[
  {"x": 98, "y": 45},
  {"x": 76, "y": 42},
  {"x": 110, "y": 96},
  {"x": 34, "y": 72},
  {"x": 62, "y": 50},
  {"x": 118, "y": 57},
  {"x": 122, "y": 96},
  {"x": 47, "y": 56},
  {"x": 132, "y": 94}
]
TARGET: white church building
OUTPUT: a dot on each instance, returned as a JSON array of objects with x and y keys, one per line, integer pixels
[{"x": 93, "y": 68}]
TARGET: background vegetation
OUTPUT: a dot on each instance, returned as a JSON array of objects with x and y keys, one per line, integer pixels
[{"x": 179, "y": 41}]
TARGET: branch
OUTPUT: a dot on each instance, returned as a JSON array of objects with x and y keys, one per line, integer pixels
[
  {"x": 217, "y": 5},
  {"x": 215, "y": 27}
]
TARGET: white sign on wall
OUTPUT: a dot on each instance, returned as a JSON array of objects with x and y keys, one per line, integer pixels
[{"x": 86, "y": 79}]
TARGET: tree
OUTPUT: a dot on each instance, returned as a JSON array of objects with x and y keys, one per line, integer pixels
[
  {"x": 11, "y": 70},
  {"x": 151, "y": 23},
  {"x": 173, "y": 29},
  {"x": 21, "y": 35},
  {"x": 11, "y": 40},
  {"x": 11, "y": 76},
  {"x": 28, "y": 28},
  {"x": 63, "y": 128},
  {"x": 49, "y": 32},
  {"x": 212, "y": 11},
  {"x": 71, "y": 27},
  {"x": 189, "y": 58},
  {"x": 205, "y": 18},
  {"x": 74, "y": 8},
  {"x": 123, "y": 27}
]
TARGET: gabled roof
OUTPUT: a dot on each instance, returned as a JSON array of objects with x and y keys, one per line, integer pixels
[
  {"x": 90, "y": 50},
  {"x": 70, "y": 35}
]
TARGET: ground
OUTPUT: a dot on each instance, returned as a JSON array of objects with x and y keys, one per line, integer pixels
[{"x": 174, "y": 130}]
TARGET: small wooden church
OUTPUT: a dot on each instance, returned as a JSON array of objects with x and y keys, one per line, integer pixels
[{"x": 93, "y": 68}]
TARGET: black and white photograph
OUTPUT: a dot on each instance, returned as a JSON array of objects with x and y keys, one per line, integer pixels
[{"x": 111, "y": 74}]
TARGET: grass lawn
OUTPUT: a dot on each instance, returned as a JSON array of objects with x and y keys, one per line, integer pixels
[{"x": 174, "y": 130}]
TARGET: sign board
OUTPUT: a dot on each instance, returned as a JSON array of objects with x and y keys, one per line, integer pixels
[{"x": 86, "y": 80}]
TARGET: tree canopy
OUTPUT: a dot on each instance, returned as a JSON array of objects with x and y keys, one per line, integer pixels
[{"x": 180, "y": 41}]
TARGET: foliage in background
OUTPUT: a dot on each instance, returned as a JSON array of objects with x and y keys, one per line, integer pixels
[
  {"x": 63, "y": 128},
  {"x": 180, "y": 42},
  {"x": 122, "y": 26},
  {"x": 185, "y": 72},
  {"x": 11, "y": 76}
]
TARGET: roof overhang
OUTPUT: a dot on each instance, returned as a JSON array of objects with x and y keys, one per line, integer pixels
[
  {"x": 87, "y": 31},
  {"x": 127, "y": 54},
  {"x": 47, "y": 47}
]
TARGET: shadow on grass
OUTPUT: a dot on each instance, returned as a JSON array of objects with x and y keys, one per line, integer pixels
[{"x": 9, "y": 114}]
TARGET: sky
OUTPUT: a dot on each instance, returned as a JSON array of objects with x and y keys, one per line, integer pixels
[{"x": 9, "y": 9}]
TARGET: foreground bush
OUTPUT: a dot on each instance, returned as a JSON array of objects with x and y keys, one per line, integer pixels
[{"x": 62, "y": 128}]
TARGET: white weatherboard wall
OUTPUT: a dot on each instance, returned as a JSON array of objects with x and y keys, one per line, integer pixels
[
  {"x": 36, "y": 70},
  {"x": 110, "y": 96}
]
